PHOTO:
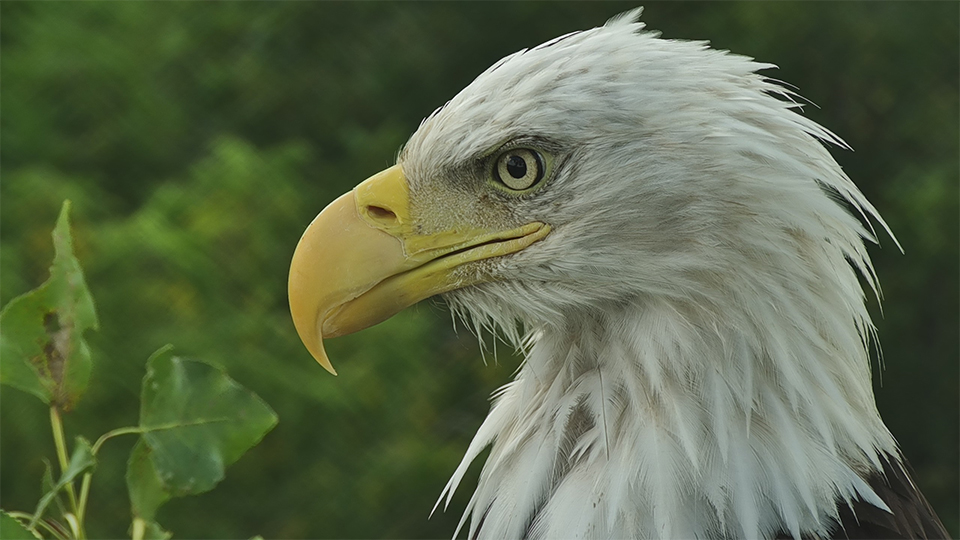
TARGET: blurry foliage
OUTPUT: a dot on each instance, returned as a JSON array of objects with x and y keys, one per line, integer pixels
[
  {"x": 197, "y": 141},
  {"x": 194, "y": 419}
]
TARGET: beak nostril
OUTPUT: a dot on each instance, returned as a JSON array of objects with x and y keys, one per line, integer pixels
[{"x": 381, "y": 214}]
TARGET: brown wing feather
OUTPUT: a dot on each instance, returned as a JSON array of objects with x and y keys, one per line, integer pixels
[{"x": 911, "y": 515}]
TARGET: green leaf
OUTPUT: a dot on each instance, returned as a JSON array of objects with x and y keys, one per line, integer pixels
[
  {"x": 81, "y": 460},
  {"x": 146, "y": 494},
  {"x": 42, "y": 350},
  {"x": 47, "y": 484},
  {"x": 197, "y": 421},
  {"x": 143, "y": 483},
  {"x": 11, "y": 529}
]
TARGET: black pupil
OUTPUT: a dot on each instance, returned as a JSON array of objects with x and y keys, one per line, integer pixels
[{"x": 516, "y": 166}]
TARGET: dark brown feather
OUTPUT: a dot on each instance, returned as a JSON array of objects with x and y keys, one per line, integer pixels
[{"x": 910, "y": 516}]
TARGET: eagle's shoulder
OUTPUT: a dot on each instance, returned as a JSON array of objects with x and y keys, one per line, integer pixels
[{"x": 910, "y": 516}]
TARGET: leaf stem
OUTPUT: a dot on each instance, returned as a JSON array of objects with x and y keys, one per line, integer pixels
[
  {"x": 57, "y": 425},
  {"x": 84, "y": 491},
  {"x": 88, "y": 476},
  {"x": 58, "y": 440},
  {"x": 139, "y": 526},
  {"x": 111, "y": 434},
  {"x": 74, "y": 525},
  {"x": 54, "y": 531}
]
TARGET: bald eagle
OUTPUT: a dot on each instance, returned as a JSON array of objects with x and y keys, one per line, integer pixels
[{"x": 673, "y": 249}]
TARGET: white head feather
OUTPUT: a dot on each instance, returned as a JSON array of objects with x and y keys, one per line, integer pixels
[{"x": 697, "y": 345}]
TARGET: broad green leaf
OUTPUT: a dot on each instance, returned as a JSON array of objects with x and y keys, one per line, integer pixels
[
  {"x": 143, "y": 482},
  {"x": 11, "y": 529},
  {"x": 197, "y": 421},
  {"x": 42, "y": 350},
  {"x": 81, "y": 460}
]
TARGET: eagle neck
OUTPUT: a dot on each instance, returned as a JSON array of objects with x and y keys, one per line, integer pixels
[{"x": 676, "y": 425}]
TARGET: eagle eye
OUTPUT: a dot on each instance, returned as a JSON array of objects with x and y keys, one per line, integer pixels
[{"x": 519, "y": 168}]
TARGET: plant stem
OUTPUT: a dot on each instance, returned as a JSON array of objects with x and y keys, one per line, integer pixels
[
  {"x": 88, "y": 476},
  {"x": 58, "y": 440},
  {"x": 54, "y": 531},
  {"x": 74, "y": 525},
  {"x": 138, "y": 527},
  {"x": 84, "y": 491},
  {"x": 111, "y": 434}
]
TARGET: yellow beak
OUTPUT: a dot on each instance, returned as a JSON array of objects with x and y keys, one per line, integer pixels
[{"x": 361, "y": 261}]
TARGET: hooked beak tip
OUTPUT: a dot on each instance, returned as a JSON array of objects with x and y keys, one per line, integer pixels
[{"x": 318, "y": 352}]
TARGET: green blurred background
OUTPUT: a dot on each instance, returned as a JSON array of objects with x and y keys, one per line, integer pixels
[{"x": 197, "y": 140}]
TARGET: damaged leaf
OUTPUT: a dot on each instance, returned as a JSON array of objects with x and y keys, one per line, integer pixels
[{"x": 42, "y": 350}]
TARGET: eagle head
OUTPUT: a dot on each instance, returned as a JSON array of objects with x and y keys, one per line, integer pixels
[
  {"x": 603, "y": 168},
  {"x": 679, "y": 256}
]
